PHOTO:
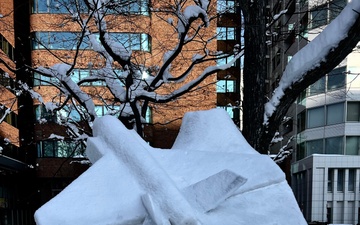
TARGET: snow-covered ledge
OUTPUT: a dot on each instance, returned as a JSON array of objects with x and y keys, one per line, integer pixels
[{"x": 211, "y": 176}]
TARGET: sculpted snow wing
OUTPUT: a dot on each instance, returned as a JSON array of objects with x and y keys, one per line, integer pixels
[{"x": 210, "y": 176}]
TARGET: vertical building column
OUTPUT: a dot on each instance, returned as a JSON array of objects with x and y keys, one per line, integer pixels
[
  {"x": 346, "y": 179},
  {"x": 357, "y": 196},
  {"x": 334, "y": 203},
  {"x": 346, "y": 190},
  {"x": 328, "y": 180}
]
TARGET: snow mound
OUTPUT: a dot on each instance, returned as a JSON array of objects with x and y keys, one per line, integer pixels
[
  {"x": 211, "y": 130},
  {"x": 131, "y": 183}
]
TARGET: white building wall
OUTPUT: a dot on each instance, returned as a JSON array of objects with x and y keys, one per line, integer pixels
[
  {"x": 318, "y": 190},
  {"x": 344, "y": 204}
]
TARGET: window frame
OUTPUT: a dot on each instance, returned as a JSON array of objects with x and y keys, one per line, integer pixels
[
  {"x": 320, "y": 142},
  {"x": 339, "y": 140},
  {"x": 226, "y": 33},
  {"x": 54, "y": 150},
  {"x": 340, "y": 180},
  {"x": 138, "y": 7},
  {"x": 355, "y": 145},
  {"x": 308, "y": 126},
  {"x": 47, "y": 40},
  {"x": 226, "y": 86},
  {"x": 354, "y": 103},
  {"x": 335, "y": 113},
  {"x": 226, "y": 6}
]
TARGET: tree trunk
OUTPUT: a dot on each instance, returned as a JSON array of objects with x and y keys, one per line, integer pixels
[
  {"x": 25, "y": 103},
  {"x": 254, "y": 73}
]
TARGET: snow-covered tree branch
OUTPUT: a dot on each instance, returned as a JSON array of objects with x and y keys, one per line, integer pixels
[{"x": 133, "y": 79}]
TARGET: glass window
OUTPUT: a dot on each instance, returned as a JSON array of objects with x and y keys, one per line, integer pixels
[
  {"x": 62, "y": 148},
  {"x": 8, "y": 116},
  {"x": 76, "y": 76},
  {"x": 318, "y": 87},
  {"x": 302, "y": 98},
  {"x": 69, "y": 40},
  {"x": 40, "y": 40},
  {"x": 63, "y": 40},
  {"x": 140, "y": 7},
  {"x": 319, "y": 16},
  {"x": 340, "y": 180},
  {"x": 351, "y": 184},
  {"x": 316, "y": 117},
  {"x": 148, "y": 116},
  {"x": 353, "y": 111},
  {"x": 335, "y": 113},
  {"x": 330, "y": 180},
  {"x": 41, "y": 6},
  {"x": 314, "y": 147},
  {"x": 300, "y": 151},
  {"x": 226, "y": 6},
  {"x": 42, "y": 115},
  {"x": 301, "y": 121},
  {"x": 329, "y": 213},
  {"x": 145, "y": 43},
  {"x": 6, "y": 47},
  {"x": 44, "y": 80},
  {"x": 58, "y": 6},
  {"x": 334, "y": 145},
  {"x": 69, "y": 112},
  {"x": 57, "y": 40},
  {"x": 224, "y": 61},
  {"x": 336, "y": 6},
  {"x": 336, "y": 79},
  {"x": 133, "y": 41},
  {"x": 226, "y": 33},
  {"x": 224, "y": 86},
  {"x": 5, "y": 79},
  {"x": 48, "y": 148},
  {"x": 99, "y": 109},
  {"x": 352, "y": 145}
]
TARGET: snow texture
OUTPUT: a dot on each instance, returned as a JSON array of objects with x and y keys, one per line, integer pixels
[
  {"x": 314, "y": 53},
  {"x": 211, "y": 176}
]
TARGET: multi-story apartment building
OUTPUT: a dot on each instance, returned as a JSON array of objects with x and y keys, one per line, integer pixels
[
  {"x": 287, "y": 34},
  {"x": 326, "y": 163},
  {"x": 35, "y": 167},
  {"x": 230, "y": 31}
]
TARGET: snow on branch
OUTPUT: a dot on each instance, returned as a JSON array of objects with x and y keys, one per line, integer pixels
[
  {"x": 112, "y": 47},
  {"x": 277, "y": 16},
  {"x": 193, "y": 83},
  {"x": 284, "y": 152},
  {"x": 60, "y": 71}
]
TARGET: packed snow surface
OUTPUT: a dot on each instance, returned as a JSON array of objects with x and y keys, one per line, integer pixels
[{"x": 211, "y": 176}]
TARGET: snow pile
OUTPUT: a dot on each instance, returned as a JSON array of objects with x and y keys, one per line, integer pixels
[
  {"x": 204, "y": 179},
  {"x": 198, "y": 130}
]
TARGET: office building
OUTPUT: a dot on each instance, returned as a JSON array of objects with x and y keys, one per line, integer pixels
[{"x": 326, "y": 163}]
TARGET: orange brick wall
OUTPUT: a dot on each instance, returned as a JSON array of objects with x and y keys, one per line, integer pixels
[{"x": 164, "y": 38}]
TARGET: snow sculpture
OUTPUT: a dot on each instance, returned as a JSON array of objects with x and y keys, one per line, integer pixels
[{"x": 210, "y": 176}]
